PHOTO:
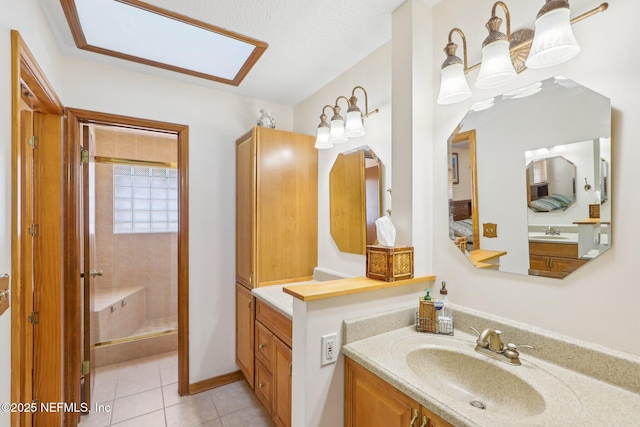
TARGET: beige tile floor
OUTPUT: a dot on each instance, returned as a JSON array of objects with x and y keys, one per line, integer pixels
[{"x": 144, "y": 393}]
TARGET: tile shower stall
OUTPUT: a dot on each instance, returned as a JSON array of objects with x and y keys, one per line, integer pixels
[{"x": 135, "y": 302}]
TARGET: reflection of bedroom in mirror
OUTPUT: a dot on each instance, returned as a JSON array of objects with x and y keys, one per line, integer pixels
[
  {"x": 536, "y": 150},
  {"x": 551, "y": 183},
  {"x": 463, "y": 193}
]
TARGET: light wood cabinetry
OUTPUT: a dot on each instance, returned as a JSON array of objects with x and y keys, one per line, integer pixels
[
  {"x": 244, "y": 331},
  {"x": 273, "y": 363},
  {"x": 276, "y": 207},
  {"x": 276, "y": 227},
  {"x": 553, "y": 259},
  {"x": 282, "y": 384},
  {"x": 372, "y": 402}
]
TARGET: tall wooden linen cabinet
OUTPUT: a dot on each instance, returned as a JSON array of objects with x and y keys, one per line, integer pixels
[{"x": 276, "y": 238}]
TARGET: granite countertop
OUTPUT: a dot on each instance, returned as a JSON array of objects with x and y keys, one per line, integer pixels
[
  {"x": 567, "y": 394},
  {"x": 275, "y": 297}
]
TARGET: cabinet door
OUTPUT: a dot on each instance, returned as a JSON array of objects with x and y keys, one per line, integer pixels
[
  {"x": 287, "y": 206},
  {"x": 245, "y": 209},
  {"x": 429, "y": 419},
  {"x": 371, "y": 402},
  {"x": 282, "y": 381},
  {"x": 244, "y": 332}
]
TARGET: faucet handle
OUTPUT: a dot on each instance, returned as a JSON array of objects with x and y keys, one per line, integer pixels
[
  {"x": 512, "y": 352},
  {"x": 512, "y": 346},
  {"x": 476, "y": 331}
]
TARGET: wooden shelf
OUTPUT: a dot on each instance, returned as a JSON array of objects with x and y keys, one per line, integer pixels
[
  {"x": 481, "y": 258},
  {"x": 591, "y": 221},
  {"x": 336, "y": 288}
]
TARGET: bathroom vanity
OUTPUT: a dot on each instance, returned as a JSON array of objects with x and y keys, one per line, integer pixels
[{"x": 390, "y": 375}]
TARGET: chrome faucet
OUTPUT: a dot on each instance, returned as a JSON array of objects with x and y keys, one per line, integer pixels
[{"x": 490, "y": 344}]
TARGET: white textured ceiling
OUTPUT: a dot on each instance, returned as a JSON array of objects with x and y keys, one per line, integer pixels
[{"x": 311, "y": 42}]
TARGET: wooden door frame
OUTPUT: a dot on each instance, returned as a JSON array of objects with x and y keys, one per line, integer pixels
[
  {"x": 27, "y": 79},
  {"x": 72, "y": 167}
]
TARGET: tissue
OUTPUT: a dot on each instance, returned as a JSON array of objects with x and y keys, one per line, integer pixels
[
  {"x": 596, "y": 198},
  {"x": 385, "y": 232}
]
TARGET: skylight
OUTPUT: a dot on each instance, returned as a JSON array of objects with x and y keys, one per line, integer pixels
[{"x": 139, "y": 32}]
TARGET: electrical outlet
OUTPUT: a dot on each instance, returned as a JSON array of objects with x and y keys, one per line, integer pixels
[{"x": 329, "y": 352}]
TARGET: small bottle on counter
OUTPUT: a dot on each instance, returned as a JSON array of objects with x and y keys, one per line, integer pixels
[
  {"x": 426, "y": 314},
  {"x": 444, "y": 312}
]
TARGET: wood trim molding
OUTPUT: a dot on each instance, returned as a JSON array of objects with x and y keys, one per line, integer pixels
[
  {"x": 35, "y": 79},
  {"x": 471, "y": 137},
  {"x": 41, "y": 97},
  {"x": 77, "y": 116},
  {"x": 215, "y": 382},
  {"x": 260, "y": 47}
]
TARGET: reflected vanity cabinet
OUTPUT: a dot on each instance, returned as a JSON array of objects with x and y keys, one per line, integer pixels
[
  {"x": 556, "y": 260},
  {"x": 276, "y": 235},
  {"x": 372, "y": 402}
]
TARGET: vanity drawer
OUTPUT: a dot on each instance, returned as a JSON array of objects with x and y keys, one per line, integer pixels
[
  {"x": 277, "y": 323},
  {"x": 263, "y": 386},
  {"x": 264, "y": 345},
  {"x": 564, "y": 250}
]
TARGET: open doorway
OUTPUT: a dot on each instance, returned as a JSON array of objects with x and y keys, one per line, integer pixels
[{"x": 132, "y": 184}]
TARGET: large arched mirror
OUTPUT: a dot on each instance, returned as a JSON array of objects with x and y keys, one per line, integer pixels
[
  {"x": 539, "y": 175},
  {"x": 354, "y": 198}
]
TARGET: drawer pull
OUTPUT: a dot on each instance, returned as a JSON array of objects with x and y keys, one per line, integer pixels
[
  {"x": 261, "y": 346},
  {"x": 260, "y": 385},
  {"x": 415, "y": 417},
  {"x": 425, "y": 421}
]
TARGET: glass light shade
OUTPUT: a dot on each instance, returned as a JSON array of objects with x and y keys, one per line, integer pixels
[
  {"x": 453, "y": 85},
  {"x": 322, "y": 140},
  {"x": 497, "y": 68},
  {"x": 553, "y": 41},
  {"x": 336, "y": 134},
  {"x": 353, "y": 128}
]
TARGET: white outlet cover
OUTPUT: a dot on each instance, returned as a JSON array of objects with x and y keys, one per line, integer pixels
[{"x": 328, "y": 349}]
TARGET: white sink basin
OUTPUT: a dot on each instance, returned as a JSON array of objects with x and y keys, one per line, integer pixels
[
  {"x": 450, "y": 370},
  {"x": 551, "y": 237},
  {"x": 466, "y": 378}
]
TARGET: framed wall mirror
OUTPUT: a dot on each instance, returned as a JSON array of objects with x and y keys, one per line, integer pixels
[
  {"x": 355, "y": 199},
  {"x": 539, "y": 177}
]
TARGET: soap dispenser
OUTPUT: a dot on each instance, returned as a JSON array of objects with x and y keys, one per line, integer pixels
[{"x": 445, "y": 314}]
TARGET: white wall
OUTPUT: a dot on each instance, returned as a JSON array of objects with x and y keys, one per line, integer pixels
[
  {"x": 374, "y": 74},
  {"x": 606, "y": 66},
  {"x": 215, "y": 119},
  {"x": 26, "y": 17},
  {"x": 318, "y": 391}
]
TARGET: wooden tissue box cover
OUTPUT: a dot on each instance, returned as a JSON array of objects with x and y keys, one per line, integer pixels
[
  {"x": 594, "y": 211},
  {"x": 389, "y": 263}
]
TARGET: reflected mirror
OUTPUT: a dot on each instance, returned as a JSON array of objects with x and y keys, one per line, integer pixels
[
  {"x": 551, "y": 183},
  {"x": 354, "y": 198},
  {"x": 531, "y": 199}
]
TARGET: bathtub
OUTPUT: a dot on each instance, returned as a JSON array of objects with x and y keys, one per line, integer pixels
[{"x": 118, "y": 312}]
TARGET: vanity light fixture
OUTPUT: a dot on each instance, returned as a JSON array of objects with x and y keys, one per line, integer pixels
[
  {"x": 497, "y": 68},
  {"x": 340, "y": 131},
  {"x": 505, "y": 55}
]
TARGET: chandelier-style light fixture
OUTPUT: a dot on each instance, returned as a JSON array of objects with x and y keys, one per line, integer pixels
[
  {"x": 340, "y": 131},
  {"x": 506, "y": 55}
]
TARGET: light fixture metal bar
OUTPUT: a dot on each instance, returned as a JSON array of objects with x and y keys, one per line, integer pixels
[{"x": 601, "y": 8}]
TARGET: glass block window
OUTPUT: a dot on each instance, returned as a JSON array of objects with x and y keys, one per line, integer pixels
[{"x": 145, "y": 199}]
